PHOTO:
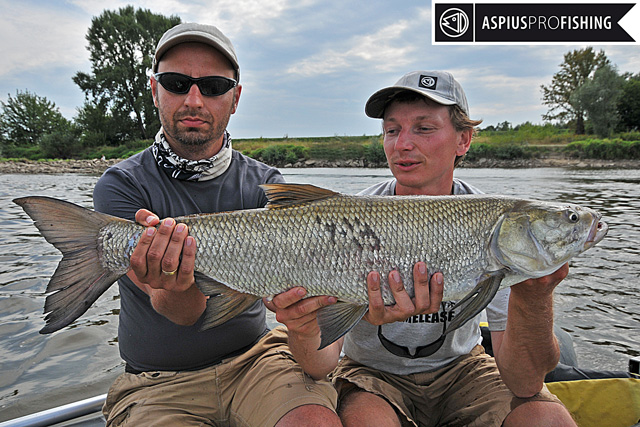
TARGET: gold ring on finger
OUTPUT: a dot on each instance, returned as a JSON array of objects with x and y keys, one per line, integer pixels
[{"x": 169, "y": 273}]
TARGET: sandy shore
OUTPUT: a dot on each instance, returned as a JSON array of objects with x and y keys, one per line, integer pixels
[{"x": 98, "y": 166}]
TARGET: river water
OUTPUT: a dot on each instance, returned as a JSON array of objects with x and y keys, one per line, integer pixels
[{"x": 597, "y": 303}]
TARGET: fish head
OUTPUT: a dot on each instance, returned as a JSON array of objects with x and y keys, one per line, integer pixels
[{"x": 536, "y": 238}]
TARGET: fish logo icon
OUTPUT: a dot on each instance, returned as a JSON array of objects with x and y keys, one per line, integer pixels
[
  {"x": 428, "y": 82},
  {"x": 454, "y": 22}
]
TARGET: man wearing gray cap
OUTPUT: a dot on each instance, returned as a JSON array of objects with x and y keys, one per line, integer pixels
[
  {"x": 238, "y": 373},
  {"x": 397, "y": 370}
]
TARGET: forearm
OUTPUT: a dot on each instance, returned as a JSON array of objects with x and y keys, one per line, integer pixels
[
  {"x": 529, "y": 349},
  {"x": 182, "y": 307},
  {"x": 299, "y": 315},
  {"x": 316, "y": 363}
]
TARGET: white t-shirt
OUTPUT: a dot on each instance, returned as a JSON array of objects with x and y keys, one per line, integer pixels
[{"x": 363, "y": 345}]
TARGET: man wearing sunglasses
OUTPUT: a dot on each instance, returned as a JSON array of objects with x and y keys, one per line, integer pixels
[
  {"x": 398, "y": 369},
  {"x": 239, "y": 373}
]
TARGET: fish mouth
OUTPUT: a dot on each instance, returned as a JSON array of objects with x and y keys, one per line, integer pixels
[{"x": 597, "y": 232}]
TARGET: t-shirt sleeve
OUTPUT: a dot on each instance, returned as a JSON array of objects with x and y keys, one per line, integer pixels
[
  {"x": 497, "y": 310},
  {"x": 117, "y": 193}
]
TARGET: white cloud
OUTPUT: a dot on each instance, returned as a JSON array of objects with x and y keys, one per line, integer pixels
[
  {"x": 234, "y": 17},
  {"x": 40, "y": 39},
  {"x": 495, "y": 95},
  {"x": 389, "y": 48},
  {"x": 255, "y": 17},
  {"x": 627, "y": 58},
  {"x": 383, "y": 50}
]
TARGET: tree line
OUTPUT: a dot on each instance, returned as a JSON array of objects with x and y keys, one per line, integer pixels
[
  {"x": 587, "y": 95},
  {"x": 590, "y": 94}
]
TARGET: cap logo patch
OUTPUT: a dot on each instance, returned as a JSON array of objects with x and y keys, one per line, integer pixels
[{"x": 428, "y": 82}]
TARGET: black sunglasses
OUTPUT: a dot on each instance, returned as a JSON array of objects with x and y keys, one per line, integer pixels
[{"x": 209, "y": 86}]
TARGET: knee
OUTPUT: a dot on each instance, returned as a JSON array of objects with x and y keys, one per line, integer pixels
[
  {"x": 540, "y": 414},
  {"x": 361, "y": 408},
  {"x": 315, "y": 415}
]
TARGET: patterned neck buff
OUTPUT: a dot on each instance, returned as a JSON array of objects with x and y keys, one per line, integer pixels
[{"x": 191, "y": 170}]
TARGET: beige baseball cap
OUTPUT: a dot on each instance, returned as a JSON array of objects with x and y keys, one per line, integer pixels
[
  {"x": 439, "y": 86},
  {"x": 200, "y": 33}
]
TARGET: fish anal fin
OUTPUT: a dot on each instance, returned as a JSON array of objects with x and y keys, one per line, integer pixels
[
  {"x": 284, "y": 195},
  {"x": 223, "y": 303},
  {"x": 476, "y": 301},
  {"x": 337, "y": 319}
]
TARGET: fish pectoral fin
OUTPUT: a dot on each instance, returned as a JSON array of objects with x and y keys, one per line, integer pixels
[
  {"x": 284, "y": 195},
  {"x": 476, "y": 300},
  {"x": 223, "y": 303},
  {"x": 338, "y": 319}
]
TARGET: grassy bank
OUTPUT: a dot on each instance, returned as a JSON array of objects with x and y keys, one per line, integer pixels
[
  {"x": 281, "y": 151},
  {"x": 507, "y": 145},
  {"x": 524, "y": 142}
]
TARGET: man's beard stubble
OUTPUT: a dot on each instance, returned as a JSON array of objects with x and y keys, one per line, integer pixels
[
  {"x": 191, "y": 139},
  {"x": 191, "y": 136}
]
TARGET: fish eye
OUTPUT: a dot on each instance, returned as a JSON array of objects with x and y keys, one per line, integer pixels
[{"x": 573, "y": 216}]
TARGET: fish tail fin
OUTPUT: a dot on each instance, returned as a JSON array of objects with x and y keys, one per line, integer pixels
[
  {"x": 80, "y": 277},
  {"x": 337, "y": 319},
  {"x": 223, "y": 303}
]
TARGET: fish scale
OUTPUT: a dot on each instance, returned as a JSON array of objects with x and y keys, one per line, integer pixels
[
  {"x": 333, "y": 244},
  {"x": 326, "y": 242}
]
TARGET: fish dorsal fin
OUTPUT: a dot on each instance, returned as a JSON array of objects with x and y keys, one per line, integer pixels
[{"x": 285, "y": 195}]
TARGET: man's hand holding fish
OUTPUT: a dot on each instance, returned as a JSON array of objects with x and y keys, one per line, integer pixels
[{"x": 162, "y": 266}]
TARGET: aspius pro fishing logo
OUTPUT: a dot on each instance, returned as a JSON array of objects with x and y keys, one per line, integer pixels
[{"x": 454, "y": 22}]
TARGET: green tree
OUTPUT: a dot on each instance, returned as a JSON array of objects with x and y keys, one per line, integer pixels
[
  {"x": 121, "y": 46},
  {"x": 25, "y": 118},
  {"x": 375, "y": 152},
  {"x": 61, "y": 144},
  {"x": 98, "y": 126},
  {"x": 629, "y": 104},
  {"x": 503, "y": 127},
  {"x": 598, "y": 98},
  {"x": 578, "y": 66}
]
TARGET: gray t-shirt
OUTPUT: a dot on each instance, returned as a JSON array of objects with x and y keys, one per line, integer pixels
[
  {"x": 363, "y": 345},
  {"x": 148, "y": 341}
]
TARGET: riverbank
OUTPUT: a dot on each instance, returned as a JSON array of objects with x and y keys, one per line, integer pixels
[{"x": 97, "y": 166}]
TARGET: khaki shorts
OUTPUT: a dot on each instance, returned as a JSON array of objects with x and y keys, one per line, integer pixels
[
  {"x": 467, "y": 392},
  {"x": 256, "y": 388}
]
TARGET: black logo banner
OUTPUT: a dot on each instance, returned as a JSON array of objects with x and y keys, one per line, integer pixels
[{"x": 530, "y": 22}]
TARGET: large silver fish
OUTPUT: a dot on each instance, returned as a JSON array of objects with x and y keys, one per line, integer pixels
[{"x": 326, "y": 242}]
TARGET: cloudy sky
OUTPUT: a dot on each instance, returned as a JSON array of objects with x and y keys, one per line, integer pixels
[{"x": 307, "y": 66}]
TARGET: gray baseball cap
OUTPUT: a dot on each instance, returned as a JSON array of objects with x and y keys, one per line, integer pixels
[
  {"x": 192, "y": 32},
  {"x": 439, "y": 86}
]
